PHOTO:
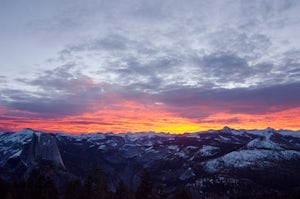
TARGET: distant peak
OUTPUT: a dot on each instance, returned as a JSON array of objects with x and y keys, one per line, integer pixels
[
  {"x": 27, "y": 130},
  {"x": 227, "y": 129},
  {"x": 269, "y": 129}
]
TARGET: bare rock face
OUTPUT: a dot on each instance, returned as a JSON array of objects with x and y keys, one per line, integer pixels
[
  {"x": 44, "y": 147},
  {"x": 41, "y": 147},
  {"x": 27, "y": 149}
]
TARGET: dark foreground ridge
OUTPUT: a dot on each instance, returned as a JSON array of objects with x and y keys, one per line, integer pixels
[{"x": 223, "y": 163}]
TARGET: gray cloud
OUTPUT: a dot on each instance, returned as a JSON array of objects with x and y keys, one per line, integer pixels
[
  {"x": 249, "y": 46},
  {"x": 225, "y": 67},
  {"x": 259, "y": 100},
  {"x": 3, "y": 79},
  {"x": 156, "y": 71},
  {"x": 60, "y": 92},
  {"x": 112, "y": 42},
  {"x": 197, "y": 57},
  {"x": 233, "y": 120},
  {"x": 65, "y": 92}
]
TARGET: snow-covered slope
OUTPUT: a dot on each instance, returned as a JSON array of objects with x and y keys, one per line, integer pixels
[{"x": 11, "y": 144}]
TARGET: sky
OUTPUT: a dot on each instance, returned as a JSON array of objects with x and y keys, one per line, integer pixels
[{"x": 136, "y": 65}]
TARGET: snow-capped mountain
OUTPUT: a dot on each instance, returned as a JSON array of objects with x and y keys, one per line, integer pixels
[{"x": 225, "y": 159}]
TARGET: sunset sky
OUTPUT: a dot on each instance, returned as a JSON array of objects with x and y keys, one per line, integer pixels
[{"x": 137, "y": 65}]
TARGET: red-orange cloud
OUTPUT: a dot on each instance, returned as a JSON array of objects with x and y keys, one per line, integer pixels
[{"x": 136, "y": 117}]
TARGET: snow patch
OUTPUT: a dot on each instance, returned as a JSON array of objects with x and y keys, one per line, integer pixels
[
  {"x": 17, "y": 154},
  {"x": 207, "y": 150},
  {"x": 248, "y": 158},
  {"x": 187, "y": 174},
  {"x": 173, "y": 147}
]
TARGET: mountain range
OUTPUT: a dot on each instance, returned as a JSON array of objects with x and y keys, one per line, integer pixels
[{"x": 221, "y": 163}]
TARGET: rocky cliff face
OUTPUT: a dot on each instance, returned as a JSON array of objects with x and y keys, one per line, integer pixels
[
  {"x": 44, "y": 147},
  {"x": 23, "y": 151}
]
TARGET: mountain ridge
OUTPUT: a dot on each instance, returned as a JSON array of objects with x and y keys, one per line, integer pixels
[{"x": 225, "y": 128}]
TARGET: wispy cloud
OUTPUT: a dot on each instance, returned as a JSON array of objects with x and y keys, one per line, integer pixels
[{"x": 190, "y": 60}]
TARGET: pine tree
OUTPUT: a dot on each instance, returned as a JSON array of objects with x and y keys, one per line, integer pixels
[
  {"x": 122, "y": 191},
  {"x": 34, "y": 185},
  {"x": 96, "y": 185},
  {"x": 182, "y": 194},
  {"x": 161, "y": 190},
  {"x": 4, "y": 189},
  {"x": 144, "y": 190},
  {"x": 87, "y": 187},
  {"x": 100, "y": 182},
  {"x": 49, "y": 190},
  {"x": 40, "y": 187},
  {"x": 74, "y": 190}
]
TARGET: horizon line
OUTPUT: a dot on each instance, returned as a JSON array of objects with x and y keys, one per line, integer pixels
[{"x": 150, "y": 131}]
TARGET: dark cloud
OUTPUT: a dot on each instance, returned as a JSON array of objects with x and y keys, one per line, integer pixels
[
  {"x": 49, "y": 107},
  {"x": 233, "y": 120},
  {"x": 44, "y": 104},
  {"x": 89, "y": 122},
  {"x": 60, "y": 92},
  {"x": 149, "y": 75},
  {"x": 65, "y": 91},
  {"x": 225, "y": 67},
  {"x": 192, "y": 102},
  {"x": 62, "y": 79}
]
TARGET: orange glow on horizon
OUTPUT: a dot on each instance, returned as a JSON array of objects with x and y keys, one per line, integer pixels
[{"x": 134, "y": 117}]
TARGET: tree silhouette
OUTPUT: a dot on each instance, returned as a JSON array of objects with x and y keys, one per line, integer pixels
[
  {"x": 35, "y": 184},
  {"x": 95, "y": 184},
  {"x": 161, "y": 189},
  {"x": 49, "y": 190},
  {"x": 18, "y": 190},
  {"x": 182, "y": 194},
  {"x": 87, "y": 187},
  {"x": 4, "y": 189},
  {"x": 74, "y": 190},
  {"x": 100, "y": 184},
  {"x": 144, "y": 189},
  {"x": 40, "y": 187},
  {"x": 123, "y": 192}
]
